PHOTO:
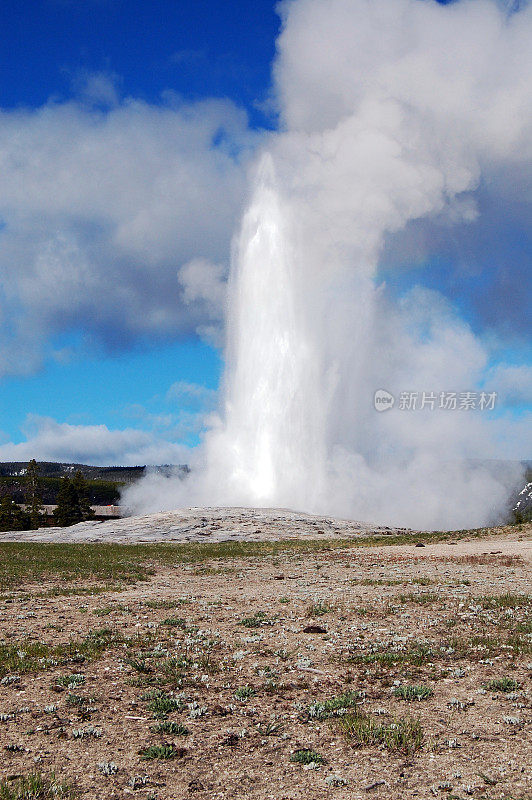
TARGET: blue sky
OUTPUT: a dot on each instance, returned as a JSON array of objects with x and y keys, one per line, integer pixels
[
  {"x": 206, "y": 48},
  {"x": 127, "y": 129},
  {"x": 200, "y": 49}
]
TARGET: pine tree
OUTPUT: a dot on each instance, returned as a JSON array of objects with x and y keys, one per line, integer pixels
[
  {"x": 72, "y": 502},
  {"x": 67, "y": 511},
  {"x": 34, "y": 504},
  {"x": 12, "y": 518},
  {"x": 82, "y": 492}
]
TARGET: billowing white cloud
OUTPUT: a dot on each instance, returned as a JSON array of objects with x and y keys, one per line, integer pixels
[
  {"x": 204, "y": 287},
  {"x": 49, "y": 440},
  {"x": 113, "y": 220}
]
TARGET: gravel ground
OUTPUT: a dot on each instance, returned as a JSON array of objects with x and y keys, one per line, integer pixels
[{"x": 263, "y": 658}]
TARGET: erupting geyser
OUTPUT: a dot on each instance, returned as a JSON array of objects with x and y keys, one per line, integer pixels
[
  {"x": 383, "y": 129},
  {"x": 272, "y": 447}
]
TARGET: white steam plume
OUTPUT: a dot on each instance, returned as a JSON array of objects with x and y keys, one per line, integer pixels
[{"x": 392, "y": 111}]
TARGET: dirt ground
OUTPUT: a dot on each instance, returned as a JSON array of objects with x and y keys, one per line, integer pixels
[{"x": 258, "y": 659}]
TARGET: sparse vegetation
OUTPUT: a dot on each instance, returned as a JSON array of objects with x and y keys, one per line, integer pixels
[
  {"x": 34, "y": 787},
  {"x": 402, "y": 734},
  {"x": 503, "y": 685},
  {"x": 162, "y": 704},
  {"x": 258, "y": 619},
  {"x": 27, "y": 655},
  {"x": 319, "y": 609},
  {"x": 245, "y": 693},
  {"x": 23, "y": 562},
  {"x": 70, "y": 681},
  {"x": 169, "y": 677},
  {"x": 307, "y": 757},
  {"x": 162, "y": 751},
  {"x": 413, "y": 692},
  {"x": 417, "y": 655},
  {"x": 335, "y": 706},
  {"x": 175, "y": 622},
  {"x": 424, "y": 599},
  {"x": 169, "y": 727},
  {"x": 508, "y": 600}
]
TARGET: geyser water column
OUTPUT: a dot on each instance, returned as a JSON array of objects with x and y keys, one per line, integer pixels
[{"x": 271, "y": 448}]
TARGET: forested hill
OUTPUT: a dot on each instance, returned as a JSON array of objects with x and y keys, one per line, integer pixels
[
  {"x": 104, "y": 484},
  {"x": 55, "y": 469}
]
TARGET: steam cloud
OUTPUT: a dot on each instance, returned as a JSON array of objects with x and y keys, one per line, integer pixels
[{"x": 392, "y": 112}]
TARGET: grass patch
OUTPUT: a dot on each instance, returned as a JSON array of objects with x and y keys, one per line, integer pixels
[
  {"x": 270, "y": 728},
  {"x": 166, "y": 604},
  {"x": 175, "y": 622},
  {"x": 413, "y": 692},
  {"x": 507, "y": 600},
  {"x": 27, "y": 562},
  {"x": 70, "y": 681},
  {"x": 421, "y": 581},
  {"x": 258, "y": 619},
  {"x": 335, "y": 706},
  {"x": 514, "y": 642},
  {"x": 168, "y": 727},
  {"x": 307, "y": 757},
  {"x": 140, "y": 665},
  {"x": 417, "y": 656},
  {"x": 476, "y": 647},
  {"x": 503, "y": 685},
  {"x": 162, "y": 704},
  {"x": 425, "y": 599},
  {"x": 318, "y": 609},
  {"x": 34, "y": 787},
  {"x": 245, "y": 693},
  {"x": 72, "y": 591},
  {"x": 402, "y": 734},
  {"x": 163, "y": 751}
]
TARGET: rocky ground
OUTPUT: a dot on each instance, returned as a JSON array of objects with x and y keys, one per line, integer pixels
[{"x": 336, "y": 670}]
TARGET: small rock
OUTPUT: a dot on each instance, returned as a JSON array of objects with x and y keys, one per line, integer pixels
[
  {"x": 375, "y": 785},
  {"x": 335, "y": 780},
  {"x": 108, "y": 768}
]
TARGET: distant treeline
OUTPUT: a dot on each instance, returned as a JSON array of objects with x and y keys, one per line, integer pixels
[
  {"x": 100, "y": 493},
  {"x": 52, "y": 469},
  {"x": 103, "y": 484}
]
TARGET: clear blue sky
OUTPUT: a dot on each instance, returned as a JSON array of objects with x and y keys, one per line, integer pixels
[{"x": 103, "y": 322}]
